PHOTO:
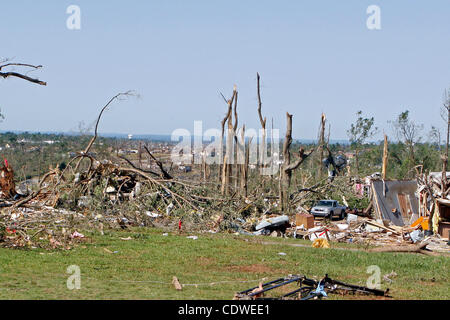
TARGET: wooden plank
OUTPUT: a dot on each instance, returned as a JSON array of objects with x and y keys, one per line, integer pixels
[
  {"x": 376, "y": 224},
  {"x": 177, "y": 284},
  {"x": 377, "y": 205}
]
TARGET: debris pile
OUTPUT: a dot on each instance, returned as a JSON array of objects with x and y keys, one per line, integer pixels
[
  {"x": 355, "y": 229},
  {"x": 46, "y": 227},
  {"x": 369, "y": 232},
  {"x": 97, "y": 195},
  {"x": 100, "y": 194}
]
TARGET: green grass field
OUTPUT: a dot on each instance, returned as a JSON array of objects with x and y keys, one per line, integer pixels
[{"x": 143, "y": 268}]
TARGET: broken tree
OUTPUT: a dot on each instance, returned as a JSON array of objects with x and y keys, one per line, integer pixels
[
  {"x": 262, "y": 150},
  {"x": 229, "y": 150},
  {"x": 7, "y": 185},
  {"x": 287, "y": 168}
]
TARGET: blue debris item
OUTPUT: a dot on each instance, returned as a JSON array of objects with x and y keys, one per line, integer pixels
[{"x": 320, "y": 291}]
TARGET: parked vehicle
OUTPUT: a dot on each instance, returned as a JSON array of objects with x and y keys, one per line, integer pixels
[{"x": 329, "y": 209}]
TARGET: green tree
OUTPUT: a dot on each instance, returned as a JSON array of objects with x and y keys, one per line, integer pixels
[
  {"x": 359, "y": 132},
  {"x": 408, "y": 133},
  {"x": 435, "y": 137}
]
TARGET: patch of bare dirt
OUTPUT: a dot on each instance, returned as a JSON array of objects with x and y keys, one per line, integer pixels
[
  {"x": 204, "y": 261},
  {"x": 253, "y": 268}
]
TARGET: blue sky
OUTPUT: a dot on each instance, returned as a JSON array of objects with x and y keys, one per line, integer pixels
[{"x": 313, "y": 56}]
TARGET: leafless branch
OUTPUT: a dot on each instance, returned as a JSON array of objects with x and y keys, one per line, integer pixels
[
  {"x": 117, "y": 96},
  {"x": 263, "y": 121},
  {"x": 20, "y": 75},
  {"x": 165, "y": 174}
]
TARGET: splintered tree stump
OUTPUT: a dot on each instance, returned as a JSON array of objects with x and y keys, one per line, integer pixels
[{"x": 7, "y": 184}]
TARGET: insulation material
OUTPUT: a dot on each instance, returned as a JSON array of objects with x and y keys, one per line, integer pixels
[{"x": 436, "y": 218}]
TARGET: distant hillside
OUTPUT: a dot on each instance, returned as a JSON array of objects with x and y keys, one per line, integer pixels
[{"x": 149, "y": 137}]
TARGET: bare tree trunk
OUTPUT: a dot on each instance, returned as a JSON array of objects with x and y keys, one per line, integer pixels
[
  {"x": 240, "y": 163},
  {"x": 285, "y": 178},
  {"x": 321, "y": 143},
  {"x": 236, "y": 144},
  {"x": 140, "y": 154},
  {"x": 357, "y": 161},
  {"x": 244, "y": 157},
  {"x": 219, "y": 165},
  {"x": 272, "y": 144},
  {"x": 445, "y": 157},
  {"x": 224, "y": 174},
  {"x": 224, "y": 121},
  {"x": 247, "y": 160},
  {"x": 411, "y": 153},
  {"x": 229, "y": 154},
  {"x": 287, "y": 168},
  {"x": 385, "y": 158},
  {"x": 262, "y": 150},
  {"x": 228, "y": 160}
]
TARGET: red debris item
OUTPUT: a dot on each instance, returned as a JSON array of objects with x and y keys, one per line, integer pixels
[
  {"x": 179, "y": 225},
  {"x": 10, "y": 231},
  {"x": 6, "y": 162},
  {"x": 323, "y": 233}
]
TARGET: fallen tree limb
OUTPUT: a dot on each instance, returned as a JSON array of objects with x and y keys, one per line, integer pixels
[
  {"x": 399, "y": 249},
  {"x": 34, "y": 194},
  {"x": 134, "y": 167},
  {"x": 174, "y": 194},
  {"x": 413, "y": 248}
]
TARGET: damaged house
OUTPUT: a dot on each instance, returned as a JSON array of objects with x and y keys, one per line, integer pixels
[
  {"x": 435, "y": 201},
  {"x": 406, "y": 203},
  {"x": 396, "y": 201}
]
